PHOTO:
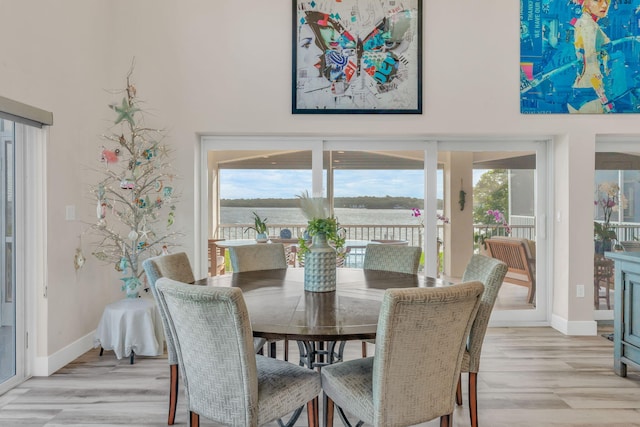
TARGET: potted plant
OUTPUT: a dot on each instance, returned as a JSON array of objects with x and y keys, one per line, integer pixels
[
  {"x": 320, "y": 224},
  {"x": 327, "y": 244},
  {"x": 608, "y": 198},
  {"x": 260, "y": 227}
]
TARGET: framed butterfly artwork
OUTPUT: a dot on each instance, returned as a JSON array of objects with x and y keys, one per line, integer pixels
[{"x": 357, "y": 57}]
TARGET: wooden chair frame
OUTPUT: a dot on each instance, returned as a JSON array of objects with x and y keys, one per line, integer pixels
[{"x": 514, "y": 253}]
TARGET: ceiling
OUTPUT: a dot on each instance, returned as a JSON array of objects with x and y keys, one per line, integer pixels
[{"x": 394, "y": 160}]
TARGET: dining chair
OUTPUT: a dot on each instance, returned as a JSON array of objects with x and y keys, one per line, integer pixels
[
  {"x": 225, "y": 381},
  {"x": 261, "y": 256},
  {"x": 395, "y": 258},
  {"x": 491, "y": 273},
  {"x": 177, "y": 267},
  {"x": 412, "y": 378}
]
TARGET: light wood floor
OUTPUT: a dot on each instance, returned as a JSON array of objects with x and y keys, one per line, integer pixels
[{"x": 529, "y": 377}]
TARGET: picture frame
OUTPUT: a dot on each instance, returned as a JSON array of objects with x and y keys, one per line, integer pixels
[
  {"x": 579, "y": 57},
  {"x": 353, "y": 57}
]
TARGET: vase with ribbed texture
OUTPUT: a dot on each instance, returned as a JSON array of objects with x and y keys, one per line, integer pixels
[{"x": 320, "y": 266}]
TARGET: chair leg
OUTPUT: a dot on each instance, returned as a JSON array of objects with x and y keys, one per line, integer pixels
[
  {"x": 328, "y": 421},
  {"x": 173, "y": 393},
  {"x": 312, "y": 413},
  {"x": 364, "y": 349},
  {"x": 194, "y": 419},
  {"x": 272, "y": 349},
  {"x": 473, "y": 398},
  {"x": 286, "y": 349},
  {"x": 445, "y": 420},
  {"x": 459, "y": 391}
]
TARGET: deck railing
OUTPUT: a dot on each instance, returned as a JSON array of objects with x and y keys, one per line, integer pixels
[{"x": 410, "y": 233}]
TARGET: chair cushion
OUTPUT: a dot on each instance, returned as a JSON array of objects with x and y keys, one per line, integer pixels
[
  {"x": 282, "y": 386},
  {"x": 352, "y": 381}
]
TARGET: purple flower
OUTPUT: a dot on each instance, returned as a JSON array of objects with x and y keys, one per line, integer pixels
[
  {"x": 443, "y": 218},
  {"x": 500, "y": 219}
]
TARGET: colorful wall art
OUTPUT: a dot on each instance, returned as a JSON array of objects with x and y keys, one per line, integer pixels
[
  {"x": 579, "y": 56},
  {"x": 353, "y": 56}
]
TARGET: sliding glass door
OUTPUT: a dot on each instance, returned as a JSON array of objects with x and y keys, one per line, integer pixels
[
  {"x": 433, "y": 194},
  {"x": 506, "y": 194},
  {"x": 616, "y": 215},
  {"x": 9, "y": 352}
]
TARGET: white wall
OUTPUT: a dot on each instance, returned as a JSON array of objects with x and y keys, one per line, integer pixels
[{"x": 225, "y": 68}]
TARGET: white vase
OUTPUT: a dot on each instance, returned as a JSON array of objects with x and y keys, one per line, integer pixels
[{"x": 320, "y": 266}]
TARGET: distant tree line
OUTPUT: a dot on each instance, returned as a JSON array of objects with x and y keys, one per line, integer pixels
[{"x": 362, "y": 202}]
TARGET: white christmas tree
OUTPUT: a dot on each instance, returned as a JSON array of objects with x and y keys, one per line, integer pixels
[{"x": 135, "y": 200}]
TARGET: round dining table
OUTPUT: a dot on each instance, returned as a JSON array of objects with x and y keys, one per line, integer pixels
[{"x": 280, "y": 308}]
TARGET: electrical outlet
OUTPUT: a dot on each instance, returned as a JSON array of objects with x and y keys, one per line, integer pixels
[{"x": 580, "y": 291}]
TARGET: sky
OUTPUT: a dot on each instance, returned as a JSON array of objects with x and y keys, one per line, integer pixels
[{"x": 285, "y": 183}]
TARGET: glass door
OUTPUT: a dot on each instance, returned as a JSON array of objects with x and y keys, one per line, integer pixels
[
  {"x": 505, "y": 217},
  {"x": 8, "y": 299},
  {"x": 616, "y": 215},
  {"x": 373, "y": 186}
]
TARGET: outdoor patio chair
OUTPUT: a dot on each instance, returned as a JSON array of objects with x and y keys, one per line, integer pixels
[
  {"x": 413, "y": 376},
  {"x": 214, "y": 250},
  {"x": 225, "y": 380},
  {"x": 520, "y": 256},
  {"x": 631, "y": 245},
  {"x": 603, "y": 277}
]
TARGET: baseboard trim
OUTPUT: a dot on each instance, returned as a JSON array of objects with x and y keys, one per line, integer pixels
[
  {"x": 45, "y": 366},
  {"x": 583, "y": 327}
]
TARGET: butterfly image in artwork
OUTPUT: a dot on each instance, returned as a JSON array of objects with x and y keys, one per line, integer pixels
[{"x": 343, "y": 57}]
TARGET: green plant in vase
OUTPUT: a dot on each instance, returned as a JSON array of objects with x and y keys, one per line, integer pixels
[
  {"x": 259, "y": 226},
  {"x": 319, "y": 223}
]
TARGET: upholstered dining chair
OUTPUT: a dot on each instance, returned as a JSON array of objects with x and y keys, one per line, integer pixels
[
  {"x": 261, "y": 256},
  {"x": 491, "y": 273},
  {"x": 225, "y": 381},
  {"x": 412, "y": 378},
  {"x": 396, "y": 258},
  {"x": 176, "y": 267}
]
